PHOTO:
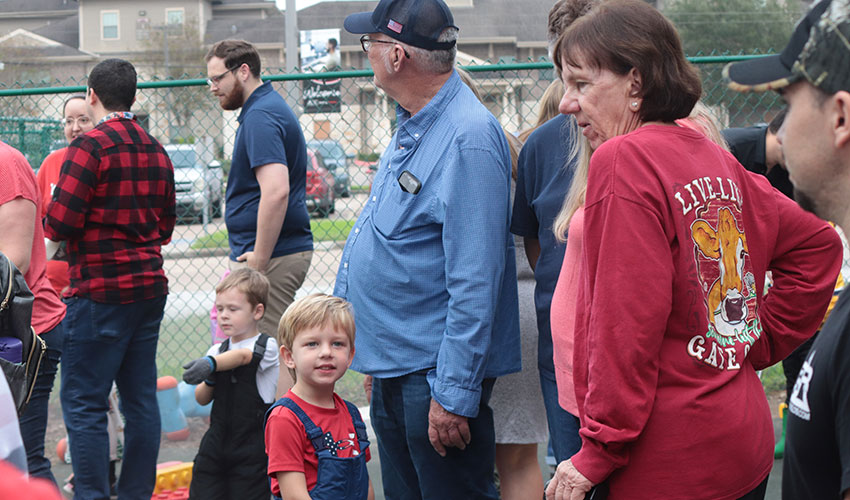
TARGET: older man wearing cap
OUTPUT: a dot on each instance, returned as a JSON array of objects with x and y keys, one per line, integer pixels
[
  {"x": 813, "y": 75},
  {"x": 429, "y": 266}
]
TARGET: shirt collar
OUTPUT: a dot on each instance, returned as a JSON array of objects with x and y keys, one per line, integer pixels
[
  {"x": 117, "y": 114},
  {"x": 412, "y": 128},
  {"x": 255, "y": 96}
]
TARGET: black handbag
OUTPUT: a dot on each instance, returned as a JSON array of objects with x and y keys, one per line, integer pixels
[{"x": 16, "y": 301}]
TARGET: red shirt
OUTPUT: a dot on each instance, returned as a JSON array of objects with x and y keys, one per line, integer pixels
[
  {"x": 19, "y": 182},
  {"x": 286, "y": 440},
  {"x": 47, "y": 177},
  {"x": 672, "y": 321},
  {"x": 563, "y": 314},
  {"x": 115, "y": 204},
  {"x": 14, "y": 484}
]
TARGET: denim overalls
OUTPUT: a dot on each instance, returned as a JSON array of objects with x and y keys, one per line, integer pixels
[{"x": 337, "y": 478}]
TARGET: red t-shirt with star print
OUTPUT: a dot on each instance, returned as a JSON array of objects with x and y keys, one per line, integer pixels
[{"x": 286, "y": 439}]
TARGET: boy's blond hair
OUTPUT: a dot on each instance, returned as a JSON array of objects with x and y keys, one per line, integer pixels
[
  {"x": 252, "y": 283},
  {"x": 311, "y": 311}
]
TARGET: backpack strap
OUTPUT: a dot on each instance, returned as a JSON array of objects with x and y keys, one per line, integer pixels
[
  {"x": 260, "y": 348},
  {"x": 313, "y": 431},
  {"x": 224, "y": 346},
  {"x": 359, "y": 426}
]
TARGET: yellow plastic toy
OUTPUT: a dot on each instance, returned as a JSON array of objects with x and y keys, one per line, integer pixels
[{"x": 171, "y": 476}]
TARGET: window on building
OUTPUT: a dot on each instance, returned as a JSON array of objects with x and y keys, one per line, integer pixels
[
  {"x": 109, "y": 24},
  {"x": 174, "y": 21}
]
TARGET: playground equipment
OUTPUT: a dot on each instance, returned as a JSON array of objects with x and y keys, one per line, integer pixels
[
  {"x": 176, "y": 402},
  {"x": 172, "y": 481}
]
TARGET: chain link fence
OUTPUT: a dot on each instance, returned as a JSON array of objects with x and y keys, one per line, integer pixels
[{"x": 346, "y": 121}]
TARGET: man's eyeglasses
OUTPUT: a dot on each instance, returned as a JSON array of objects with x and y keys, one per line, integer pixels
[
  {"x": 81, "y": 121},
  {"x": 367, "y": 42},
  {"x": 215, "y": 80}
]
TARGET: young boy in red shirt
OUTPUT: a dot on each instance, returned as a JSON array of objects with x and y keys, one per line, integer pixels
[{"x": 316, "y": 442}]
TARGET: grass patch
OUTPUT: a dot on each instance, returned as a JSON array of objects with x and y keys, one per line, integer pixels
[
  {"x": 350, "y": 388},
  {"x": 323, "y": 230},
  {"x": 331, "y": 230},
  {"x": 773, "y": 378},
  {"x": 181, "y": 340},
  {"x": 217, "y": 239}
]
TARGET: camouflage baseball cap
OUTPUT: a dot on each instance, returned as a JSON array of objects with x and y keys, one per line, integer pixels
[{"x": 819, "y": 52}]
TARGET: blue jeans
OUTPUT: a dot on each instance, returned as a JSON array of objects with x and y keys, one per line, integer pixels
[
  {"x": 410, "y": 468},
  {"x": 563, "y": 426},
  {"x": 106, "y": 342},
  {"x": 34, "y": 420}
]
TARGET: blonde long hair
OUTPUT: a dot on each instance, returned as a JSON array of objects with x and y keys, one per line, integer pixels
[
  {"x": 578, "y": 186},
  {"x": 701, "y": 119}
]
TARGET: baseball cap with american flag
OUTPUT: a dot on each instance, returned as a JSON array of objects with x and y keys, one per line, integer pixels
[{"x": 418, "y": 23}]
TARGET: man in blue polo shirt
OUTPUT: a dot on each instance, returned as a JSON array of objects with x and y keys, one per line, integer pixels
[
  {"x": 267, "y": 221},
  {"x": 430, "y": 266}
]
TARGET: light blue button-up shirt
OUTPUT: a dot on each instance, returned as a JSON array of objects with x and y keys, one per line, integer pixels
[{"x": 432, "y": 276}]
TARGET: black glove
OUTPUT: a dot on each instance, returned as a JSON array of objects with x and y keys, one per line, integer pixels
[{"x": 197, "y": 370}]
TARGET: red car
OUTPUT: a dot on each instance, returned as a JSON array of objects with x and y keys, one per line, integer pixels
[{"x": 320, "y": 196}]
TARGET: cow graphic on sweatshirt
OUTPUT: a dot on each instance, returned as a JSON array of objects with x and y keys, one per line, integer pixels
[{"x": 725, "y": 272}]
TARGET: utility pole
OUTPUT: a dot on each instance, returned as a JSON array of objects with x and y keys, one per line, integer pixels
[
  {"x": 167, "y": 62},
  {"x": 293, "y": 93}
]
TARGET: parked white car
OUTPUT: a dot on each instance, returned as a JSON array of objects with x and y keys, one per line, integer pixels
[{"x": 198, "y": 184}]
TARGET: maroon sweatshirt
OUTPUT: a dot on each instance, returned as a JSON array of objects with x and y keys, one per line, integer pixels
[{"x": 672, "y": 321}]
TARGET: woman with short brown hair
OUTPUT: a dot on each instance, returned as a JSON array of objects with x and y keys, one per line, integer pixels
[{"x": 671, "y": 319}]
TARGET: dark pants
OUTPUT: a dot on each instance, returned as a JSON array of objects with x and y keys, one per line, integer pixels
[
  {"x": 34, "y": 420},
  {"x": 410, "y": 468},
  {"x": 758, "y": 493},
  {"x": 563, "y": 426},
  {"x": 215, "y": 480},
  {"x": 106, "y": 342}
]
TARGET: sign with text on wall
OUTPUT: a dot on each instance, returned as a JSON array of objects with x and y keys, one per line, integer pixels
[
  {"x": 322, "y": 96},
  {"x": 319, "y": 52}
]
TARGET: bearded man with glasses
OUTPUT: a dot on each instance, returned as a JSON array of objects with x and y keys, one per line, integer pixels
[{"x": 267, "y": 222}]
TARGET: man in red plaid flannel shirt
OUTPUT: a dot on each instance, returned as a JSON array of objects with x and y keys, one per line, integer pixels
[{"x": 114, "y": 205}]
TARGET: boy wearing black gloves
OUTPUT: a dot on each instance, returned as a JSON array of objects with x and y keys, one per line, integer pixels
[{"x": 240, "y": 376}]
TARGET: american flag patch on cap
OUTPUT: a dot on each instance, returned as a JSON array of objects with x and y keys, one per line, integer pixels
[{"x": 395, "y": 26}]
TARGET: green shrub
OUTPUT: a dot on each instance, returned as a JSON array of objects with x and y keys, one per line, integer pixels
[
  {"x": 368, "y": 156},
  {"x": 773, "y": 378}
]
